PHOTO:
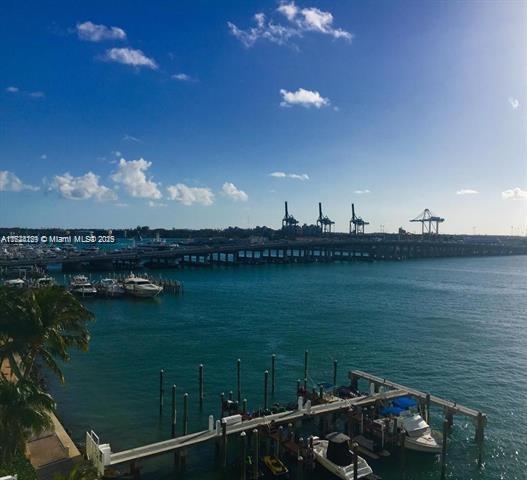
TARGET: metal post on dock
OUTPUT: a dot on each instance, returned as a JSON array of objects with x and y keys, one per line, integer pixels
[
  {"x": 443, "y": 449},
  {"x": 243, "y": 436},
  {"x": 355, "y": 448},
  {"x": 200, "y": 379},
  {"x": 161, "y": 390},
  {"x": 266, "y": 381},
  {"x": 256, "y": 458},
  {"x": 174, "y": 412},
  {"x": 335, "y": 374},
  {"x": 185, "y": 414},
  {"x": 239, "y": 379},
  {"x": 273, "y": 367}
]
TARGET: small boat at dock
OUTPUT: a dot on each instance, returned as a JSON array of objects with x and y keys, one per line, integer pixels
[
  {"x": 44, "y": 282},
  {"x": 110, "y": 287},
  {"x": 334, "y": 455},
  {"x": 141, "y": 287},
  {"x": 80, "y": 285},
  {"x": 15, "y": 283}
]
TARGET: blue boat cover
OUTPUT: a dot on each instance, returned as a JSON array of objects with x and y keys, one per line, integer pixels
[
  {"x": 404, "y": 402},
  {"x": 391, "y": 411}
]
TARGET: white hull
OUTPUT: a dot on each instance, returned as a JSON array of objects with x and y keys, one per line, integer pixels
[
  {"x": 138, "y": 291},
  {"x": 425, "y": 444},
  {"x": 346, "y": 472}
]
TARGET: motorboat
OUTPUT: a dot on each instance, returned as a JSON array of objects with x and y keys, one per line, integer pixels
[
  {"x": 80, "y": 285},
  {"x": 334, "y": 455},
  {"x": 111, "y": 287},
  {"x": 275, "y": 467},
  {"x": 419, "y": 435},
  {"x": 15, "y": 283},
  {"x": 141, "y": 287},
  {"x": 44, "y": 282}
]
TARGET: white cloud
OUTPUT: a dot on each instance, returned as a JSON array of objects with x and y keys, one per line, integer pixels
[
  {"x": 130, "y": 138},
  {"x": 9, "y": 182},
  {"x": 183, "y": 77},
  {"x": 362, "y": 192},
  {"x": 190, "y": 195},
  {"x": 298, "y": 21},
  {"x": 12, "y": 89},
  {"x": 467, "y": 191},
  {"x": 81, "y": 188},
  {"x": 306, "y": 98},
  {"x": 515, "y": 103},
  {"x": 130, "y": 56},
  {"x": 313, "y": 20},
  {"x": 95, "y": 33},
  {"x": 231, "y": 191},
  {"x": 153, "y": 204},
  {"x": 295, "y": 176},
  {"x": 132, "y": 176},
  {"x": 514, "y": 193}
]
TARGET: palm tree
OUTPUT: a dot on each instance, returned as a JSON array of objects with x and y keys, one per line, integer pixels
[
  {"x": 24, "y": 409},
  {"x": 43, "y": 323}
]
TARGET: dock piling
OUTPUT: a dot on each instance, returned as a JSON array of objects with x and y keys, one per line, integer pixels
[
  {"x": 443, "y": 449},
  {"x": 244, "y": 406},
  {"x": 238, "y": 380},
  {"x": 355, "y": 448},
  {"x": 222, "y": 404},
  {"x": 200, "y": 380},
  {"x": 273, "y": 368},
  {"x": 335, "y": 374},
  {"x": 243, "y": 437},
  {"x": 266, "y": 381},
  {"x": 161, "y": 390},
  {"x": 224, "y": 444},
  {"x": 185, "y": 414},
  {"x": 174, "y": 412},
  {"x": 306, "y": 358}
]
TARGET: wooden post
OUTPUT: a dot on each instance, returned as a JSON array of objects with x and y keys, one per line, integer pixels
[
  {"x": 273, "y": 368},
  {"x": 321, "y": 392},
  {"x": 239, "y": 380},
  {"x": 243, "y": 473},
  {"x": 403, "y": 453},
  {"x": 200, "y": 379},
  {"x": 480, "y": 435},
  {"x": 306, "y": 370},
  {"x": 161, "y": 390},
  {"x": 224, "y": 444},
  {"x": 300, "y": 468},
  {"x": 297, "y": 388},
  {"x": 230, "y": 396},
  {"x": 185, "y": 414},
  {"x": 427, "y": 408},
  {"x": 222, "y": 403},
  {"x": 443, "y": 449},
  {"x": 335, "y": 374},
  {"x": 174, "y": 412},
  {"x": 256, "y": 458},
  {"x": 355, "y": 447},
  {"x": 244, "y": 406},
  {"x": 266, "y": 381}
]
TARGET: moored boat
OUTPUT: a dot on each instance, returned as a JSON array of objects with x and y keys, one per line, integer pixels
[
  {"x": 110, "y": 287},
  {"x": 44, "y": 282},
  {"x": 81, "y": 286},
  {"x": 334, "y": 455},
  {"x": 141, "y": 287},
  {"x": 15, "y": 283}
]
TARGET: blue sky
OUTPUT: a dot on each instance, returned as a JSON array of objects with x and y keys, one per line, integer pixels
[{"x": 198, "y": 114}]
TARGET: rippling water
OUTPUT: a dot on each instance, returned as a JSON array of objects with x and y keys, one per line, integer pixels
[{"x": 455, "y": 327}]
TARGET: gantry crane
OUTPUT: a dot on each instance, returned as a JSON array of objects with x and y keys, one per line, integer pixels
[
  {"x": 429, "y": 222},
  {"x": 323, "y": 221},
  {"x": 288, "y": 222},
  {"x": 356, "y": 223}
]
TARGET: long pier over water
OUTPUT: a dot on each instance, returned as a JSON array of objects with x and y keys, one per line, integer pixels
[{"x": 303, "y": 250}]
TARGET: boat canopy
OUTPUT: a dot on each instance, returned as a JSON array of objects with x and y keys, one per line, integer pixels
[
  {"x": 385, "y": 411},
  {"x": 338, "y": 449},
  {"x": 405, "y": 402}
]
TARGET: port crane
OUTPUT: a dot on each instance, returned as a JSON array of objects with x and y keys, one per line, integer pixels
[
  {"x": 288, "y": 222},
  {"x": 356, "y": 223},
  {"x": 429, "y": 222},
  {"x": 323, "y": 221}
]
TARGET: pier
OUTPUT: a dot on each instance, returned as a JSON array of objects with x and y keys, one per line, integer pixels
[
  {"x": 270, "y": 426},
  {"x": 335, "y": 248}
]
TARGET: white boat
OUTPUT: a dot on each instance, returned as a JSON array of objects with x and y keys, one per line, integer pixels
[
  {"x": 334, "y": 455},
  {"x": 15, "y": 283},
  {"x": 81, "y": 286},
  {"x": 419, "y": 435},
  {"x": 44, "y": 282},
  {"x": 111, "y": 287},
  {"x": 141, "y": 287}
]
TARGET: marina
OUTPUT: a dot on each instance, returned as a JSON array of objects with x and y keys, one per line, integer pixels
[{"x": 172, "y": 319}]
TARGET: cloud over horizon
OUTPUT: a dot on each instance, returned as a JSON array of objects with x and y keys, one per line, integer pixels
[
  {"x": 467, "y": 191},
  {"x": 82, "y": 187},
  {"x": 190, "y": 195},
  {"x": 295, "y": 176},
  {"x": 129, "y": 56},
  {"x": 303, "y": 97},
  {"x": 514, "y": 193},
  {"x": 9, "y": 182},
  {"x": 230, "y": 190},
  {"x": 92, "y": 32},
  {"x": 132, "y": 176}
]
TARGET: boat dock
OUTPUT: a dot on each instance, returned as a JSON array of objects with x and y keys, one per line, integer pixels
[{"x": 317, "y": 409}]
